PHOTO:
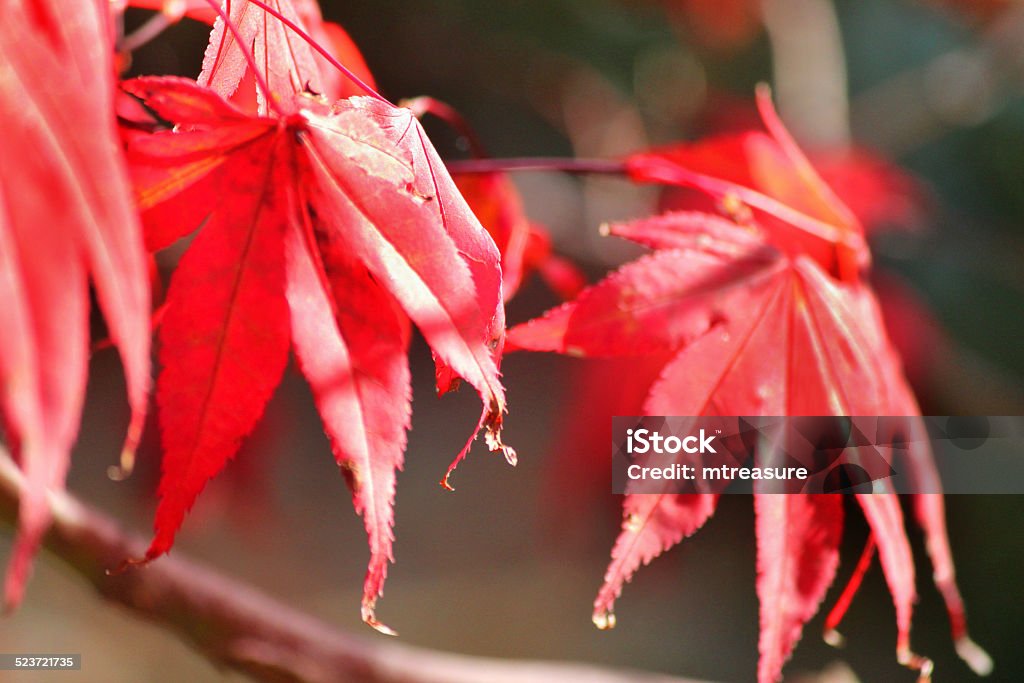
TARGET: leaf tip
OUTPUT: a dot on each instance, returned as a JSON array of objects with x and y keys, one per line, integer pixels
[
  {"x": 979, "y": 661},
  {"x": 494, "y": 443},
  {"x": 604, "y": 619},
  {"x": 125, "y": 466},
  {"x": 370, "y": 619},
  {"x": 910, "y": 659},
  {"x": 126, "y": 463},
  {"x": 130, "y": 563},
  {"x": 834, "y": 638},
  {"x": 14, "y": 592},
  {"x": 23, "y": 552}
]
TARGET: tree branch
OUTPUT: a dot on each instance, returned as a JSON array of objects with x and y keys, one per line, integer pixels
[
  {"x": 809, "y": 68},
  {"x": 238, "y": 627}
]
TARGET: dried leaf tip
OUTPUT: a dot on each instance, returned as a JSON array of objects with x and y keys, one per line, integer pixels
[
  {"x": 370, "y": 619},
  {"x": 923, "y": 665},
  {"x": 130, "y": 563},
  {"x": 974, "y": 656},
  {"x": 126, "y": 464},
  {"x": 124, "y": 468},
  {"x": 834, "y": 638},
  {"x": 604, "y": 620},
  {"x": 492, "y": 437}
]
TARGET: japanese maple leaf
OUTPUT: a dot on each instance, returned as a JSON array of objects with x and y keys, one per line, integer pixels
[
  {"x": 224, "y": 63},
  {"x": 327, "y": 228},
  {"x": 242, "y": 499},
  {"x": 880, "y": 194},
  {"x": 286, "y": 61},
  {"x": 65, "y": 217},
  {"x": 763, "y": 312}
]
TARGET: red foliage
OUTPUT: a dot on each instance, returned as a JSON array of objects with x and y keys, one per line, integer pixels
[
  {"x": 325, "y": 33},
  {"x": 327, "y": 227},
  {"x": 65, "y": 218},
  {"x": 764, "y": 312},
  {"x": 327, "y": 224}
]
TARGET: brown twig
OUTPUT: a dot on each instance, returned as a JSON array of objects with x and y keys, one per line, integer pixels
[{"x": 238, "y": 627}]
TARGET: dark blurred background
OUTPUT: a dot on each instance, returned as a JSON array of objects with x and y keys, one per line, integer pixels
[{"x": 509, "y": 564}]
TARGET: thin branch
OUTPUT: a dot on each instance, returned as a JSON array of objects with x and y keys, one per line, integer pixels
[
  {"x": 238, "y": 627},
  {"x": 553, "y": 164}
]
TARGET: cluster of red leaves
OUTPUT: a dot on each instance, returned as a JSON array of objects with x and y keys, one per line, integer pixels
[
  {"x": 759, "y": 309},
  {"x": 326, "y": 225},
  {"x": 881, "y": 195},
  {"x": 66, "y": 217}
]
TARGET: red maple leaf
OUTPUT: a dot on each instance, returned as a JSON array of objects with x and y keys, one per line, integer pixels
[
  {"x": 284, "y": 59},
  {"x": 327, "y": 228},
  {"x": 764, "y": 312},
  {"x": 65, "y": 217},
  {"x": 306, "y": 12}
]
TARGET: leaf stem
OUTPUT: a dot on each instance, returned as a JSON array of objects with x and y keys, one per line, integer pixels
[
  {"x": 669, "y": 173},
  {"x": 249, "y": 59},
  {"x": 316, "y": 46},
  {"x": 552, "y": 164}
]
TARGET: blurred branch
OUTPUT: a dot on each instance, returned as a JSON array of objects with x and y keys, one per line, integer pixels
[
  {"x": 962, "y": 87},
  {"x": 809, "y": 70},
  {"x": 959, "y": 88},
  {"x": 237, "y": 627}
]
